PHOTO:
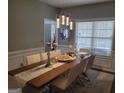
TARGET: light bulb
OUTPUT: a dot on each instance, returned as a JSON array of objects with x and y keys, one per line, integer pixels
[
  {"x": 71, "y": 25},
  {"x": 63, "y": 19},
  {"x": 67, "y": 21},
  {"x": 58, "y": 23}
]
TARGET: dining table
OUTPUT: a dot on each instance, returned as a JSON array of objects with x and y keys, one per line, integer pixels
[{"x": 37, "y": 75}]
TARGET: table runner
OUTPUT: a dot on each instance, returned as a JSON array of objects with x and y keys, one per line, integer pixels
[{"x": 23, "y": 77}]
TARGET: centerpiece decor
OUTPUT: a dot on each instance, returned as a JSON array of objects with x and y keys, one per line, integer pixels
[
  {"x": 48, "y": 55},
  {"x": 54, "y": 47}
]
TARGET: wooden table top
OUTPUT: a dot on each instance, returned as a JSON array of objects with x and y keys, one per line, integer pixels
[
  {"x": 52, "y": 74},
  {"x": 46, "y": 77},
  {"x": 19, "y": 70}
]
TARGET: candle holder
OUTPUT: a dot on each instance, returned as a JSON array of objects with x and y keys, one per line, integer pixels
[
  {"x": 48, "y": 61},
  {"x": 48, "y": 55}
]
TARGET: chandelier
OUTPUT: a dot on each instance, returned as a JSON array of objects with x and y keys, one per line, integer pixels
[{"x": 64, "y": 21}]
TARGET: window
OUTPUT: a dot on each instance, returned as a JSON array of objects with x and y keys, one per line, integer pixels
[{"x": 95, "y": 35}]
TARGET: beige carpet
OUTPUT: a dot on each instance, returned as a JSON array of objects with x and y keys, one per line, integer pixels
[{"x": 100, "y": 83}]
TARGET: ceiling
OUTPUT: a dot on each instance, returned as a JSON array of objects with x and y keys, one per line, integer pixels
[{"x": 71, "y": 3}]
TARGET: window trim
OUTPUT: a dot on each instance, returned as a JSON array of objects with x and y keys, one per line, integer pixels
[{"x": 95, "y": 19}]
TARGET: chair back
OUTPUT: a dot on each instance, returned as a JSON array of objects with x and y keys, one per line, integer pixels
[
  {"x": 33, "y": 59},
  {"x": 76, "y": 71},
  {"x": 52, "y": 54},
  {"x": 44, "y": 56},
  {"x": 85, "y": 50},
  {"x": 89, "y": 63},
  {"x": 55, "y": 53}
]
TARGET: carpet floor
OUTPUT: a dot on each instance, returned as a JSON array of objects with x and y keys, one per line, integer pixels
[{"x": 101, "y": 82}]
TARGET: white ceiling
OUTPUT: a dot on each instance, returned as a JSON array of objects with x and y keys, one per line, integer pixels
[{"x": 70, "y": 3}]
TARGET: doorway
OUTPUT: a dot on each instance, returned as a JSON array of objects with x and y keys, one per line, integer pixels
[{"x": 50, "y": 32}]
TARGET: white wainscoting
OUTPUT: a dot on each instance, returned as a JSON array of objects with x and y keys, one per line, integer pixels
[
  {"x": 17, "y": 59},
  {"x": 105, "y": 62}
]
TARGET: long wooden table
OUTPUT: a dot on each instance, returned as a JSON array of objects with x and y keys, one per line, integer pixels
[{"x": 46, "y": 77}]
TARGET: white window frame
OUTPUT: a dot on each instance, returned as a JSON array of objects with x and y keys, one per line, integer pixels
[{"x": 96, "y": 19}]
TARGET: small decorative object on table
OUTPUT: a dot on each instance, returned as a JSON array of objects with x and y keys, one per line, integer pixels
[
  {"x": 72, "y": 51},
  {"x": 54, "y": 46},
  {"x": 48, "y": 62},
  {"x": 48, "y": 55},
  {"x": 66, "y": 58}
]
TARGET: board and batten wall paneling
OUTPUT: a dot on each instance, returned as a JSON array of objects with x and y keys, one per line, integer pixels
[
  {"x": 17, "y": 59},
  {"x": 26, "y": 23}
]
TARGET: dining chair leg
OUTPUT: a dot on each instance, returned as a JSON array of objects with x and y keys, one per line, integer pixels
[
  {"x": 50, "y": 89},
  {"x": 79, "y": 81},
  {"x": 53, "y": 89},
  {"x": 69, "y": 90},
  {"x": 86, "y": 77},
  {"x": 45, "y": 90}
]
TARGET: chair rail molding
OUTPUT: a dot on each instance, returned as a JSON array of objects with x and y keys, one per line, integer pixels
[{"x": 18, "y": 52}]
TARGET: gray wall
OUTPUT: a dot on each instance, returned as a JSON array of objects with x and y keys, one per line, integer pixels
[
  {"x": 92, "y": 11},
  {"x": 26, "y": 23},
  {"x": 26, "y": 20}
]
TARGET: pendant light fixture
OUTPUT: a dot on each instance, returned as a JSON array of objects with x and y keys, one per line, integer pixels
[
  {"x": 67, "y": 21},
  {"x": 63, "y": 20},
  {"x": 58, "y": 22},
  {"x": 71, "y": 25}
]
